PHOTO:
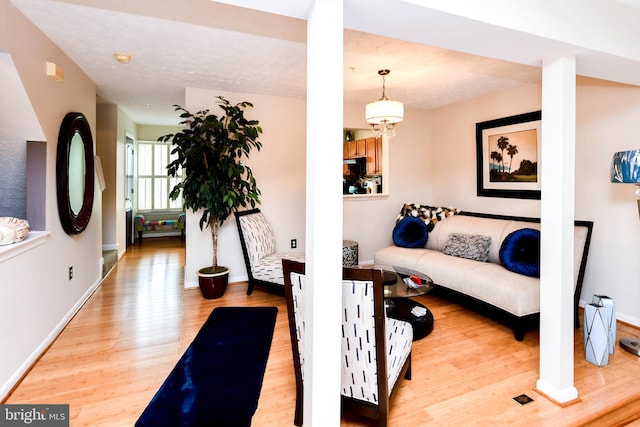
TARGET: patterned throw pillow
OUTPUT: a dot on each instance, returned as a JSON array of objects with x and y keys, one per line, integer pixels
[
  {"x": 429, "y": 214},
  {"x": 470, "y": 246}
]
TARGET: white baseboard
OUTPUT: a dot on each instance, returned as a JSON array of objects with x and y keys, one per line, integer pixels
[
  {"x": 44, "y": 345},
  {"x": 110, "y": 247},
  {"x": 232, "y": 279},
  {"x": 634, "y": 321},
  {"x": 190, "y": 285}
]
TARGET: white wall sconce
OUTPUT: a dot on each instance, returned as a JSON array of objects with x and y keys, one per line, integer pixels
[
  {"x": 625, "y": 169},
  {"x": 54, "y": 72}
]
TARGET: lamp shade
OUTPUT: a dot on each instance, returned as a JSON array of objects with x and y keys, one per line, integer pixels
[
  {"x": 625, "y": 167},
  {"x": 384, "y": 111}
]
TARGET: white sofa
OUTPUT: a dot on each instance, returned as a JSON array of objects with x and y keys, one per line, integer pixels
[{"x": 488, "y": 286}]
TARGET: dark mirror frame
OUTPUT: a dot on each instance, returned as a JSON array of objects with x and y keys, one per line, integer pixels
[{"x": 72, "y": 124}]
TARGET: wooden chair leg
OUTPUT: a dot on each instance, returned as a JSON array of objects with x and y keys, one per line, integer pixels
[
  {"x": 382, "y": 420},
  {"x": 407, "y": 374},
  {"x": 297, "y": 419}
]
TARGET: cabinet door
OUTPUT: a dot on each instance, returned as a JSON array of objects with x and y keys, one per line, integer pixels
[
  {"x": 371, "y": 156},
  {"x": 345, "y": 156},
  {"x": 379, "y": 156},
  {"x": 374, "y": 156},
  {"x": 357, "y": 148},
  {"x": 361, "y": 147}
]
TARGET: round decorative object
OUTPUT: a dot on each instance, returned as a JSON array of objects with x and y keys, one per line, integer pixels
[
  {"x": 75, "y": 173},
  {"x": 349, "y": 253},
  {"x": 520, "y": 252},
  {"x": 410, "y": 232}
]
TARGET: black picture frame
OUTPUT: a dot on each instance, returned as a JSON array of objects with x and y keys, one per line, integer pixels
[{"x": 494, "y": 177}]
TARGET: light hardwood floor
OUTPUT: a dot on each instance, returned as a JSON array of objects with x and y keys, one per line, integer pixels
[{"x": 115, "y": 353}]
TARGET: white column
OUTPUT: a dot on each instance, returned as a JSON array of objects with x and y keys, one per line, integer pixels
[
  {"x": 323, "y": 251},
  {"x": 557, "y": 218}
]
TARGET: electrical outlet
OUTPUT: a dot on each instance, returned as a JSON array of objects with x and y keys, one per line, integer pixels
[
  {"x": 294, "y": 243},
  {"x": 70, "y": 272}
]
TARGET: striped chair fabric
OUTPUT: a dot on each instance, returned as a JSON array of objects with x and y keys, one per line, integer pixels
[
  {"x": 263, "y": 261},
  {"x": 359, "y": 366}
]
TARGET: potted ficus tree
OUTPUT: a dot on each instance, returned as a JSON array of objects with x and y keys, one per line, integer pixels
[{"x": 211, "y": 150}]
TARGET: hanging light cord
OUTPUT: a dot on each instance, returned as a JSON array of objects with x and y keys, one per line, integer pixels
[{"x": 383, "y": 73}]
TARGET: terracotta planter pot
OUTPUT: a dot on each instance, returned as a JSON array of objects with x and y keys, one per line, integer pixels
[{"x": 213, "y": 284}]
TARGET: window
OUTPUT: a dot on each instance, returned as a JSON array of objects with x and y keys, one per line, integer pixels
[{"x": 154, "y": 185}]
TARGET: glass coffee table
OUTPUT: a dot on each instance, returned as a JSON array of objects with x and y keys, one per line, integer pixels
[{"x": 400, "y": 284}]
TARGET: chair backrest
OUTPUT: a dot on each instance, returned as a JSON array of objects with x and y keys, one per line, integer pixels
[
  {"x": 365, "y": 383},
  {"x": 363, "y": 336},
  {"x": 294, "y": 284},
  {"x": 256, "y": 234}
]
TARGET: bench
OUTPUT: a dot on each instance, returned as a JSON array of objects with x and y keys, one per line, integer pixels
[{"x": 159, "y": 224}]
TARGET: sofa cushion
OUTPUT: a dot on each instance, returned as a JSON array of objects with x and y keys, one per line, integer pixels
[
  {"x": 269, "y": 268},
  {"x": 395, "y": 256},
  {"x": 494, "y": 284},
  {"x": 410, "y": 232},
  {"x": 470, "y": 246},
  {"x": 520, "y": 252},
  {"x": 446, "y": 270}
]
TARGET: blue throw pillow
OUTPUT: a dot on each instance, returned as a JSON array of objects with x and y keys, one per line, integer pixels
[
  {"x": 410, "y": 232},
  {"x": 520, "y": 252}
]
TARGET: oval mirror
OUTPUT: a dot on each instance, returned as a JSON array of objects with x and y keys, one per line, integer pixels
[{"x": 74, "y": 173}]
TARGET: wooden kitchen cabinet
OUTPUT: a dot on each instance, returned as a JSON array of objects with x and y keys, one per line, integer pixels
[
  {"x": 374, "y": 156},
  {"x": 356, "y": 148}
]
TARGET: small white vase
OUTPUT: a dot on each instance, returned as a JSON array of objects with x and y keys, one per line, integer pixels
[
  {"x": 607, "y": 302},
  {"x": 596, "y": 334}
]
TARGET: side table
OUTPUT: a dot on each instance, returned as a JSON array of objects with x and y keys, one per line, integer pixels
[
  {"x": 398, "y": 299},
  {"x": 400, "y": 308},
  {"x": 349, "y": 253}
]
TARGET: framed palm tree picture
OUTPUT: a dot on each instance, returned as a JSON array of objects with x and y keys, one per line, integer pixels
[{"x": 508, "y": 156}]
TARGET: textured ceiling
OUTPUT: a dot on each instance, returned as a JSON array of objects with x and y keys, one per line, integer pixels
[{"x": 227, "y": 48}]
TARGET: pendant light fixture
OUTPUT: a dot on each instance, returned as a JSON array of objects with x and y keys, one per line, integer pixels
[{"x": 383, "y": 114}]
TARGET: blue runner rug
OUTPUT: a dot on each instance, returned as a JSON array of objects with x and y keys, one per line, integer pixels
[{"x": 218, "y": 379}]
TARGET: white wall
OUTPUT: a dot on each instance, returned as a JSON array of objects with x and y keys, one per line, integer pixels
[
  {"x": 36, "y": 296},
  {"x": 606, "y": 117},
  {"x": 454, "y": 150},
  {"x": 606, "y": 121},
  {"x": 279, "y": 169},
  {"x": 370, "y": 221}
]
